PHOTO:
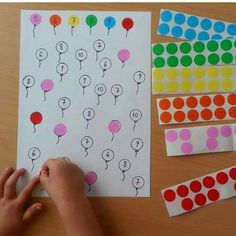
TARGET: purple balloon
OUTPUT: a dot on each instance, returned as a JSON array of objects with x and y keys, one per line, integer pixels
[
  {"x": 47, "y": 85},
  {"x": 91, "y": 178},
  {"x": 35, "y": 19},
  {"x": 60, "y": 130},
  {"x": 124, "y": 55}
]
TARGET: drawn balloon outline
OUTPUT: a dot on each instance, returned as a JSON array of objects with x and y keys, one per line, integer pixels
[
  {"x": 105, "y": 64},
  {"x": 88, "y": 115},
  {"x": 116, "y": 91},
  {"x": 34, "y": 153},
  {"x": 136, "y": 144},
  {"x": 139, "y": 77},
  {"x": 138, "y": 182},
  {"x": 135, "y": 115},
  {"x": 100, "y": 89},
  {"x": 64, "y": 103},
  {"x": 81, "y": 55},
  {"x": 62, "y": 69},
  {"x": 41, "y": 54},
  {"x": 28, "y": 81},
  {"x": 107, "y": 155},
  {"x": 61, "y": 48},
  {"x": 124, "y": 165},
  {"x": 86, "y": 142},
  {"x": 98, "y": 45},
  {"x": 85, "y": 81}
]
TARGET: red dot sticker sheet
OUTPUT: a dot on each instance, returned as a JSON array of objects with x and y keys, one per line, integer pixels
[
  {"x": 201, "y": 191},
  {"x": 200, "y": 108},
  {"x": 202, "y": 139}
]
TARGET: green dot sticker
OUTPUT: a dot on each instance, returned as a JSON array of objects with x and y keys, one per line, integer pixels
[
  {"x": 235, "y": 43},
  {"x": 227, "y": 58},
  {"x": 172, "y": 61},
  {"x": 212, "y": 46},
  {"x": 185, "y": 47},
  {"x": 159, "y": 62},
  {"x": 213, "y": 58},
  {"x": 200, "y": 60},
  {"x": 91, "y": 20},
  {"x": 198, "y": 47},
  {"x": 158, "y": 49},
  {"x": 226, "y": 45},
  {"x": 186, "y": 61},
  {"x": 171, "y": 48}
]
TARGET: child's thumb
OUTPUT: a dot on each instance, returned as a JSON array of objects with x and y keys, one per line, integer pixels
[{"x": 44, "y": 174}]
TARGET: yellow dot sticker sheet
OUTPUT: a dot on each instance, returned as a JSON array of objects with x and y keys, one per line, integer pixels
[{"x": 194, "y": 79}]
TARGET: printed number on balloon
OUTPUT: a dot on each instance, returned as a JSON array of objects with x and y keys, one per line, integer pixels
[
  {"x": 105, "y": 64},
  {"x": 88, "y": 114},
  {"x": 81, "y": 55},
  {"x": 98, "y": 46},
  {"x": 100, "y": 90},
  {"x": 41, "y": 54},
  {"x": 85, "y": 81},
  {"x": 124, "y": 165},
  {"x": 107, "y": 155},
  {"x": 136, "y": 145},
  {"x": 62, "y": 69},
  {"x": 138, "y": 182},
  {"x": 139, "y": 77},
  {"x": 34, "y": 153},
  {"x": 61, "y": 47},
  {"x": 116, "y": 91},
  {"x": 135, "y": 115},
  {"x": 86, "y": 143},
  {"x": 64, "y": 103}
]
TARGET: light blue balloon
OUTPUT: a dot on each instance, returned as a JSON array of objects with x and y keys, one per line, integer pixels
[{"x": 109, "y": 22}]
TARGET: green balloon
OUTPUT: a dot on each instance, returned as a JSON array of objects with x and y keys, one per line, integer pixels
[{"x": 91, "y": 20}]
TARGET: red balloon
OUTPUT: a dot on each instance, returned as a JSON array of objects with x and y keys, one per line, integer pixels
[
  {"x": 127, "y": 23},
  {"x": 36, "y": 118},
  {"x": 55, "y": 20}
]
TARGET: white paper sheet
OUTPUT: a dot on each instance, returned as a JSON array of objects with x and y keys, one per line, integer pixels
[{"x": 91, "y": 86}]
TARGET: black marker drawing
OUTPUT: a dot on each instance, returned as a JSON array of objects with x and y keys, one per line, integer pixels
[
  {"x": 105, "y": 64},
  {"x": 139, "y": 77},
  {"x": 61, "y": 48},
  {"x": 116, "y": 91},
  {"x": 85, "y": 81},
  {"x": 34, "y": 153},
  {"x": 81, "y": 55},
  {"x": 86, "y": 143},
  {"x": 62, "y": 69},
  {"x": 124, "y": 165},
  {"x": 28, "y": 81},
  {"x": 64, "y": 103},
  {"x": 100, "y": 90},
  {"x": 107, "y": 155},
  {"x": 88, "y": 114},
  {"x": 137, "y": 145},
  {"x": 41, "y": 54},
  {"x": 138, "y": 182},
  {"x": 135, "y": 115},
  {"x": 98, "y": 46},
  {"x": 67, "y": 159}
]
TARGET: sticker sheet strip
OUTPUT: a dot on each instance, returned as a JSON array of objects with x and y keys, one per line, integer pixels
[
  {"x": 209, "y": 79},
  {"x": 191, "y": 27},
  {"x": 194, "y": 53},
  {"x": 202, "y": 139},
  {"x": 200, "y": 192},
  {"x": 200, "y": 108}
]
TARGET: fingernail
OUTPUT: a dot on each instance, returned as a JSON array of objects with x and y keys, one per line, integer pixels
[
  {"x": 43, "y": 172},
  {"x": 39, "y": 207}
]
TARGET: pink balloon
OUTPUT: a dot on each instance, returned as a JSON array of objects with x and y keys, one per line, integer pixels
[
  {"x": 91, "y": 178},
  {"x": 124, "y": 55},
  {"x": 47, "y": 85},
  {"x": 35, "y": 19},
  {"x": 114, "y": 126},
  {"x": 60, "y": 130}
]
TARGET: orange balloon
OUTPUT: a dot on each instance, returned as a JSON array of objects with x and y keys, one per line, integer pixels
[{"x": 55, "y": 20}]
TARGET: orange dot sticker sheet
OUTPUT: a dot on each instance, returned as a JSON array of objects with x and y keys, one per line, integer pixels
[
  {"x": 205, "y": 79},
  {"x": 200, "y": 192},
  {"x": 200, "y": 108},
  {"x": 202, "y": 139}
]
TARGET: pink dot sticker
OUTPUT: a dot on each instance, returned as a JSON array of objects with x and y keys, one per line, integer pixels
[
  {"x": 186, "y": 148},
  {"x": 47, "y": 85},
  {"x": 171, "y": 136},
  {"x": 211, "y": 143},
  {"x": 60, "y": 130},
  {"x": 235, "y": 130},
  {"x": 226, "y": 131},
  {"x": 124, "y": 55},
  {"x": 35, "y": 19},
  {"x": 212, "y": 132},
  {"x": 185, "y": 134},
  {"x": 90, "y": 178}
]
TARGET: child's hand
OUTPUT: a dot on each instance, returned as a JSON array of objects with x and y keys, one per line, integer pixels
[
  {"x": 63, "y": 180},
  {"x": 14, "y": 212}
]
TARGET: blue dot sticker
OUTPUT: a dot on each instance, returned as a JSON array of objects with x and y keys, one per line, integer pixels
[
  {"x": 231, "y": 29},
  {"x": 206, "y": 24},
  {"x": 190, "y": 34},
  {"x": 219, "y": 27},
  {"x": 179, "y": 18},
  {"x": 216, "y": 36},
  {"x": 164, "y": 29},
  {"x": 203, "y": 35},
  {"x": 177, "y": 31},
  {"x": 109, "y": 22},
  {"x": 166, "y": 16},
  {"x": 193, "y": 21}
]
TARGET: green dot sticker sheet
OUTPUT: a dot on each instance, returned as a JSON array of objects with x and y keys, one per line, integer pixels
[
  {"x": 194, "y": 53},
  {"x": 84, "y": 95}
]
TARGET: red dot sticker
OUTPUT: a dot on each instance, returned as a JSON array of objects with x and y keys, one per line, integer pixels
[
  {"x": 36, "y": 118},
  {"x": 164, "y": 104},
  {"x": 178, "y": 103},
  {"x": 206, "y": 114},
  {"x": 232, "y": 173},
  {"x": 191, "y": 102},
  {"x": 187, "y": 204},
  {"x": 219, "y": 100},
  {"x": 232, "y": 99},
  {"x": 200, "y": 199},
  {"x": 182, "y": 190},
  {"x": 220, "y": 113},
  {"x": 222, "y": 178},
  {"x": 195, "y": 186},
  {"x": 169, "y": 195},
  {"x": 55, "y": 20},
  {"x": 213, "y": 195},
  {"x": 205, "y": 101},
  {"x": 127, "y": 23},
  {"x": 165, "y": 117},
  {"x": 232, "y": 112},
  {"x": 235, "y": 186},
  {"x": 193, "y": 115},
  {"x": 179, "y": 116},
  {"x": 208, "y": 182}
]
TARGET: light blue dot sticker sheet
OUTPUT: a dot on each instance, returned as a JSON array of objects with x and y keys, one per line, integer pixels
[{"x": 190, "y": 27}]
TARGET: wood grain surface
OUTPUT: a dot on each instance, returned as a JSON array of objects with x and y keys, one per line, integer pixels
[{"x": 121, "y": 216}]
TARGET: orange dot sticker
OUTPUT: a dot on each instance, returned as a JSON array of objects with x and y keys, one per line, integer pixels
[
  {"x": 164, "y": 104},
  {"x": 232, "y": 99},
  {"x": 206, "y": 114},
  {"x": 205, "y": 101},
  {"x": 219, "y": 100},
  {"x": 193, "y": 115},
  {"x": 166, "y": 117},
  {"x": 191, "y": 102},
  {"x": 179, "y": 116},
  {"x": 220, "y": 113},
  {"x": 178, "y": 103}
]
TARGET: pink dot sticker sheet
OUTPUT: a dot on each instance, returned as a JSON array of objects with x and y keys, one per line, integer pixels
[
  {"x": 84, "y": 94},
  {"x": 201, "y": 139},
  {"x": 200, "y": 192}
]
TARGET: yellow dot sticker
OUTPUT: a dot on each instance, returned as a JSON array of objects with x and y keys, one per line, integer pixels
[
  {"x": 213, "y": 85},
  {"x": 227, "y": 84},
  {"x": 73, "y": 21},
  {"x": 226, "y": 71},
  {"x": 186, "y": 86},
  {"x": 212, "y": 72},
  {"x": 185, "y": 73},
  {"x": 199, "y": 86},
  {"x": 172, "y": 86},
  {"x": 158, "y": 74},
  {"x": 172, "y": 73},
  {"x": 159, "y": 87},
  {"x": 199, "y": 72}
]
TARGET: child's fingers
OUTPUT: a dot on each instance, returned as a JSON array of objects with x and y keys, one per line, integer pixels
[
  {"x": 31, "y": 212},
  {"x": 3, "y": 178},
  {"x": 44, "y": 174},
  {"x": 27, "y": 191},
  {"x": 10, "y": 185}
]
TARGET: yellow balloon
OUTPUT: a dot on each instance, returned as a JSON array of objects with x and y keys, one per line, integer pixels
[{"x": 73, "y": 21}]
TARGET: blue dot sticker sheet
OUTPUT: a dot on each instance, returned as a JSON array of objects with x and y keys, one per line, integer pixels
[
  {"x": 190, "y": 27},
  {"x": 84, "y": 95}
]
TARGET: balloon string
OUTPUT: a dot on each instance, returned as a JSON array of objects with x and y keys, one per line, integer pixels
[
  {"x": 96, "y": 55},
  {"x": 54, "y": 30},
  {"x": 86, "y": 152},
  {"x": 136, "y": 153},
  {"x": 115, "y": 100},
  {"x": 39, "y": 63},
  {"x": 126, "y": 33},
  {"x": 62, "y": 113},
  {"x": 34, "y": 128},
  {"x": 136, "y": 192},
  {"x": 80, "y": 65},
  {"x": 61, "y": 77},
  {"x": 137, "y": 88},
  {"x": 89, "y": 189},
  {"x": 112, "y": 137},
  {"x": 26, "y": 92},
  {"x": 34, "y": 30},
  {"x": 90, "y": 30},
  {"x": 103, "y": 73},
  {"x": 58, "y": 139},
  {"x": 87, "y": 124},
  {"x": 44, "y": 94},
  {"x": 108, "y": 31},
  {"x": 59, "y": 57},
  {"x": 123, "y": 64},
  {"x": 83, "y": 90},
  {"x": 134, "y": 126},
  {"x": 106, "y": 165},
  {"x": 98, "y": 100},
  {"x": 72, "y": 28},
  {"x": 32, "y": 165},
  {"x": 123, "y": 175}
]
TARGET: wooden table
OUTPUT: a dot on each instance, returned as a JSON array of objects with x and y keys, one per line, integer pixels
[{"x": 120, "y": 216}]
